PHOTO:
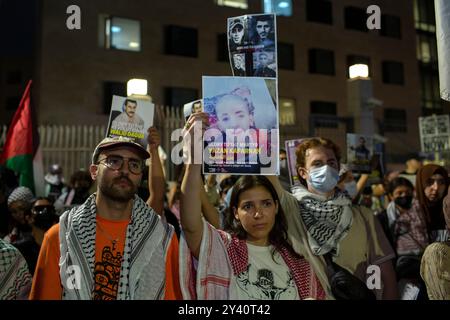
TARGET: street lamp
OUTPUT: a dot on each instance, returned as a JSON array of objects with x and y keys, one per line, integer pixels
[
  {"x": 360, "y": 99},
  {"x": 138, "y": 88},
  {"x": 359, "y": 71}
]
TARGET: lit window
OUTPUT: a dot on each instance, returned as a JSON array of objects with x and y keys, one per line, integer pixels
[
  {"x": 287, "y": 112},
  {"x": 242, "y": 4},
  {"x": 122, "y": 34},
  {"x": 279, "y": 7}
]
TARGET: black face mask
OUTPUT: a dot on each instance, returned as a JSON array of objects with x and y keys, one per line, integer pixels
[
  {"x": 404, "y": 202},
  {"x": 44, "y": 217}
]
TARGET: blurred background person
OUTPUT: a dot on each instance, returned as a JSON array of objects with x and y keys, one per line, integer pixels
[
  {"x": 406, "y": 230},
  {"x": 19, "y": 205},
  {"x": 42, "y": 217},
  {"x": 431, "y": 184},
  {"x": 54, "y": 182},
  {"x": 77, "y": 193},
  {"x": 412, "y": 166}
]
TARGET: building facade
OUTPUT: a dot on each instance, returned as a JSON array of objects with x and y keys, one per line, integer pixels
[{"x": 173, "y": 43}]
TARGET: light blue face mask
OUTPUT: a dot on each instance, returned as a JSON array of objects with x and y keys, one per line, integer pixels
[
  {"x": 351, "y": 189},
  {"x": 323, "y": 179}
]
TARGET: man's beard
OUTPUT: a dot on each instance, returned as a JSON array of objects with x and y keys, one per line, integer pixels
[{"x": 114, "y": 192}]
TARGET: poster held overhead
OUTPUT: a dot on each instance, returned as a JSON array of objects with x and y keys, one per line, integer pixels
[
  {"x": 359, "y": 152},
  {"x": 252, "y": 45},
  {"x": 243, "y": 133},
  {"x": 192, "y": 107},
  {"x": 130, "y": 118},
  {"x": 434, "y": 133}
]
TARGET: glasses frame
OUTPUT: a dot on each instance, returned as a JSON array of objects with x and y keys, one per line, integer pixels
[{"x": 104, "y": 161}]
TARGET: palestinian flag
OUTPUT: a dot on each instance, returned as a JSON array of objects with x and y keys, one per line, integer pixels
[{"x": 21, "y": 150}]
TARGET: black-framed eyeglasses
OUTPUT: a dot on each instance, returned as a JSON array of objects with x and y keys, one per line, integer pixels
[{"x": 115, "y": 162}]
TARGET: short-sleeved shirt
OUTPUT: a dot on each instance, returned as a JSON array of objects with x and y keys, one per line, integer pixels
[
  {"x": 108, "y": 259},
  {"x": 266, "y": 277}
]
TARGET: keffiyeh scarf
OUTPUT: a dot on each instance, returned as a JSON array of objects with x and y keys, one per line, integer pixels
[
  {"x": 142, "y": 273},
  {"x": 327, "y": 221}
]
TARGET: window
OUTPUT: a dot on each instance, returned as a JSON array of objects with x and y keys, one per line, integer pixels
[
  {"x": 222, "y": 47},
  {"x": 287, "y": 112},
  {"x": 429, "y": 88},
  {"x": 111, "y": 88},
  {"x": 424, "y": 15},
  {"x": 122, "y": 34},
  {"x": 355, "y": 18},
  {"x": 356, "y": 59},
  {"x": 324, "y": 114},
  {"x": 319, "y": 11},
  {"x": 426, "y": 47},
  {"x": 279, "y": 7},
  {"x": 394, "y": 120},
  {"x": 14, "y": 77},
  {"x": 181, "y": 41},
  {"x": 391, "y": 26},
  {"x": 321, "y": 61},
  {"x": 242, "y": 4},
  {"x": 286, "y": 56},
  {"x": 393, "y": 72},
  {"x": 179, "y": 96}
]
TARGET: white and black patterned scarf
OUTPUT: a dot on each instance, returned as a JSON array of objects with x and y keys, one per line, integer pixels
[
  {"x": 142, "y": 273},
  {"x": 327, "y": 221}
]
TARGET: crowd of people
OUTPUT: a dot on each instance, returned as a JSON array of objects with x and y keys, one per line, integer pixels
[{"x": 339, "y": 235}]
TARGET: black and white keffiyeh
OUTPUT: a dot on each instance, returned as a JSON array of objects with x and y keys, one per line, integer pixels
[
  {"x": 142, "y": 273},
  {"x": 327, "y": 221}
]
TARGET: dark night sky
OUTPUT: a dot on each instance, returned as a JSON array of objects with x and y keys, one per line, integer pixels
[{"x": 17, "y": 26}]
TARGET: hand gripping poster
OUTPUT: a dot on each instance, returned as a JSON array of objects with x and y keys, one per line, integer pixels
[
  {"x": 252, "y": 45},
  {"x": 243, "y": 134},
  {"x": 192, "y": 107},
  {"x": 130, "y": 118}
]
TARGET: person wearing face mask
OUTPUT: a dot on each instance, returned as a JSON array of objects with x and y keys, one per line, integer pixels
[
  {"x": 42, "y": 217},
  {"x": 405, "y": 227},
  {"x": 323, "y": 223}
]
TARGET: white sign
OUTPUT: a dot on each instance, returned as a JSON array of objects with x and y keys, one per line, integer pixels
[{"x": 434, "y": 133}]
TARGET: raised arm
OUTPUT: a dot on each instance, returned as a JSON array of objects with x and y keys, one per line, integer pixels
[
  {"x": 156, "y": 180},
  {"x": 209, "y": 211},
  {"x": 276, "y": 184},
  {"x": 191, "y": 186}
]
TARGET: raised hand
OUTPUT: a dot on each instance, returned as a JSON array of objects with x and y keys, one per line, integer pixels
[{"x": 153, "y": 139}]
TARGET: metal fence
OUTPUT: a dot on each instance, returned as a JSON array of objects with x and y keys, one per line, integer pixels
[{"x": 72, "y": 145}]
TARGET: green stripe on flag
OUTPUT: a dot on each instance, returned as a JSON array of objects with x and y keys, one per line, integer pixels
[{"x": 23, "y": 165}]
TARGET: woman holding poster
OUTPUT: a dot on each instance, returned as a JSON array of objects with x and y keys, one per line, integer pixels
[
  {"x": 253, "y": 261},
  {"x": 242, "y": 116}
]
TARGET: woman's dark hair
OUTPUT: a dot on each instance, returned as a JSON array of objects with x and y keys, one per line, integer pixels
[
  {"x": 397, "y": 182},
  {"x": 278, "y": 234},
  {"x": 81, "y": 175},
  {"x": 226, "y": 184}
]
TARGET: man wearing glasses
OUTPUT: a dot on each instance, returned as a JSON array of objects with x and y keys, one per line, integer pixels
[{"x": 114, "y": 246}]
